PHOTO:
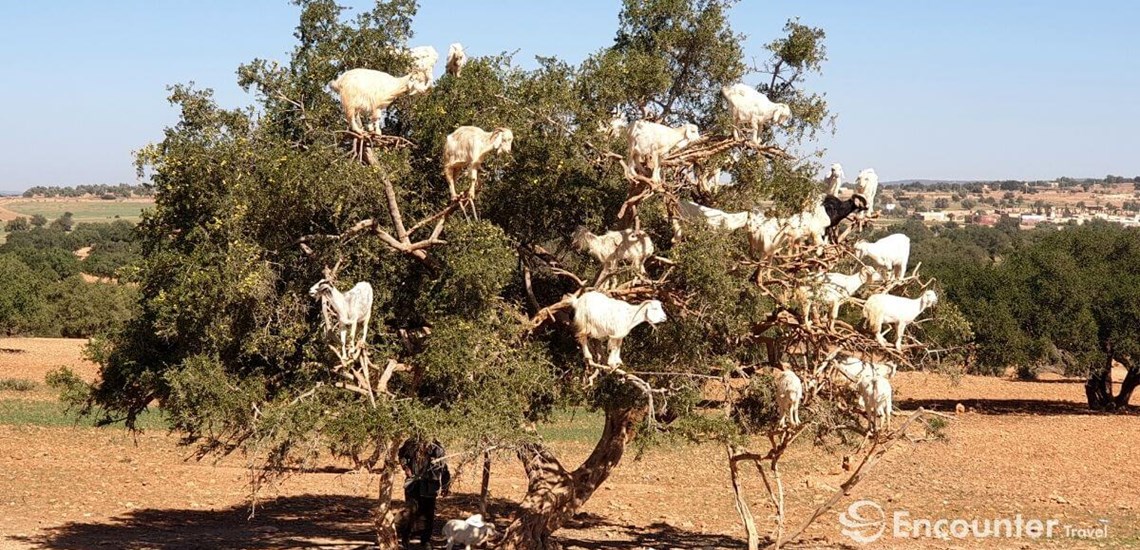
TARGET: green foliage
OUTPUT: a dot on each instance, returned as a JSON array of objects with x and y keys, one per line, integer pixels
[
  {"x": 1063, "y": 299},
  {"x": 17, "y": 224},
  {"x": 20, "y": 297},
  {"x": 227, "y": 340},
  {"x": 38, "y": 220},
  {"x": 16, "y": 384}
]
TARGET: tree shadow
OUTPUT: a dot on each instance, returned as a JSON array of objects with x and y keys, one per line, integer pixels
[
  {"x": 1034, "y": 407},
  {"x": 303, "y": 521},
  {"x": 328, "y": 521},
  {"x": 657, "y": 535}
]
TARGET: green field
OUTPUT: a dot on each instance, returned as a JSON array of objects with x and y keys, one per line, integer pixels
[{"x": 85, "y": 211}]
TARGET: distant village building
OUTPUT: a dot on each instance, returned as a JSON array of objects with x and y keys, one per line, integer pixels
[
  {"x": 934, "y": 216},
  {"x": 988, "y": 220}
]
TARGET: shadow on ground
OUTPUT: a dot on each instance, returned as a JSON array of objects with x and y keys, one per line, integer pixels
[
  {"x": 1036, "y": 407},
  {"x": 331, "y": 521}
]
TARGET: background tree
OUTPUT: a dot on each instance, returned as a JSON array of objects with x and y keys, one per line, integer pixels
[{"x": 38, "y": 220}]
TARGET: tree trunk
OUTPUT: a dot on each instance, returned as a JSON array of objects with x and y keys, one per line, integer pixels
[
  {"x": 1098, "y": 388},
  {"x": 485, "y": 487},
  {"x": 386, "y": 516},
  {"x": 1131, "y": 380},
  {"x": 555, "y": 495},
  {"x": 746, "y": 516}
]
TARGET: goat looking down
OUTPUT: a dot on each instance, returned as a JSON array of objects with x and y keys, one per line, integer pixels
[
  {"x": 650, "y": 141},
  {"x": 368, "y": 91},
  {"x": 833, "y": 290},
  {"x": 614, "y": 247},
  {"x": 890, "y": 253},
  {"x": 752, "y": 109},
  {"x": 466, "y": 148},
  {"x": 352, "y": 308},
  {"x": 872, "y": 386},
  {"x": 599, "y": 317},
  {"x": 888, "y": 309}
]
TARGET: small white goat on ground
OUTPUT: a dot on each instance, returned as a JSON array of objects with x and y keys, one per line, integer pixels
[
  {"x": 890, "y": 253},
  {"x": 753, "y": 110},
  {"x": 833, "y": 290},
  {"x": 599, "y": 317},
  {"x": 650, "y": 141},
  {"x": 867, "y": 184},
  {"x": 789, "y": 396},
  {"x": 613, "y": 247},
  {"x": 352, "y": 309},
  {"x": 888, "y": 309},
  {"x": 456, "y": 59},
  {"x": 368, "y": 91},
  {"x": 466, "y": 148},
  {"x": 472, "y": 531},
  {"x": 834, "y": 180}
]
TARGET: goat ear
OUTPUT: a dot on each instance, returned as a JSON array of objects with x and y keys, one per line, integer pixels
[{"x": 497, "y": 139}]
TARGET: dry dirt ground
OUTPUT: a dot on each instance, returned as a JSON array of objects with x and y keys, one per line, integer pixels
[{"x": 1026, "y": 448}]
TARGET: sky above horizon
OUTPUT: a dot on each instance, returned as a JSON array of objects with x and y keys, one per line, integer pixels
[{"x": 964, "y": 90}]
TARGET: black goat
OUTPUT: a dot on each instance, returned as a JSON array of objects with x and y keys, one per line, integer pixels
[{"x": 838, "y": 209}]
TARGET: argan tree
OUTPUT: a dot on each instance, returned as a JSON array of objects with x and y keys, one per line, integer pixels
[{"x": 469, "y": 339}]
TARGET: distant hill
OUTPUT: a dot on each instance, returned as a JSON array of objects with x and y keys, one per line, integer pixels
[{"x": 929, "y": 182}]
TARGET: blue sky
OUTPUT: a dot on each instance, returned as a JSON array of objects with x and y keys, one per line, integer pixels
[{"x": 963, "y": 89}]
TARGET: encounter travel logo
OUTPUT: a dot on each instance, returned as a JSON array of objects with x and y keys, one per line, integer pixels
[{"x": 865, "y": 522}]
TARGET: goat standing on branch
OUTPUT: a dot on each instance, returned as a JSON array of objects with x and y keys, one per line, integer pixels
[
  {"x": 628, "y": 245},
  {"x": 789, "y": 396},
  {"x": 833, "y": 290},
  {"x": 867, "y": 185},
  {"x": 838, "y": 210},
  {"x": 352, "y": 309},
  {"x": 890, "y": 253},
  {"x": 649, "y": 142},
  {"x": 753, "y": 110},
  {"x": 834, "y": 180},
  {"x": 369, "y": 91},
  {"x": 599, "y": 317},
  {"x": 456, "y": 59},
  {"x": 889, "y": 309},
  {"x": 466, "y": 148}
]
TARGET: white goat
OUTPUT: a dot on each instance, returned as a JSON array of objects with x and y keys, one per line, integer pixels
[
  {"x": 466, "y": 148},
  {"x": 873, "y": 392},
  {"x": 649, "y": 141},
  {"x": 833, "y": 290},
  {"x": 456, "y": 59},
  {"x": 888, "y": 309},
  {"x": 766, "y": 235},
  {"x": 834, "y": 180},
  {"x": 424, "y": 59},
  {"x": 352, "y": 308},
  {"x": 890, "y": 253},
  {"x": 600, "y": 317},
  {"x": 369, "y": 91},
  {"x": 876, "y": 396},
  {"x": 717, "y": 219},
  {"x": 789, "y": 396},
  {"x": 867, "y": 184},
  {"x": 616, "y": 126},
  {"x": 470, "y": 532},
  {"x": 752, "y": 109},
  {"x": 614, "y": 247}
]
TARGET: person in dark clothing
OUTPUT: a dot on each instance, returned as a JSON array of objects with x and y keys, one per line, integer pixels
[{"x": 427, "y": 478}]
